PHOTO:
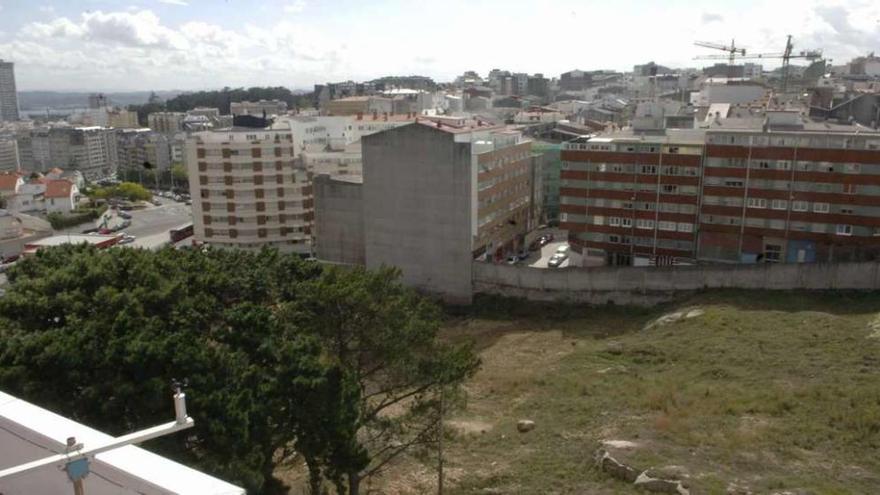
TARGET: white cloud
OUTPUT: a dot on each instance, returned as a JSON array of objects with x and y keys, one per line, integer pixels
[
  {"x": 136, "y": 49},
  {"x": 182, "y": 3},
  {"x": 295, "y": 7},
  {"x": 710, "y": 17}
]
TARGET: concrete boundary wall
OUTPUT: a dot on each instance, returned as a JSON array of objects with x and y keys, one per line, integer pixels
[{"x": 652, "y": 285}]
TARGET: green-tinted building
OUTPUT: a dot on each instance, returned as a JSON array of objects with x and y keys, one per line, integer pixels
[{"x": 551, "y": 171}]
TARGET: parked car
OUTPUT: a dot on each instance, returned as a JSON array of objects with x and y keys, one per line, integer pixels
[
  {"x": 11, "y": 258},
  {"x": 126, "y": 240},
  {"x": 90, "y": 231},
  {"x": 156, "y": 202},
  {"x": 188, "y": 202},
  {"x": 512, "y": 260},
  {"x": 557, "y": 259},
  {"x": 563, "y": 249},
  {"x": 124, "y": 215},
  {"x": 105, "y": 231},
  {"x": 541, "y": 242},
  {"x": 523, "y": 255}
]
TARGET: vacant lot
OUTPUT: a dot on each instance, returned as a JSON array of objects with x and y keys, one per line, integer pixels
[{"x": 761, "y": 392}]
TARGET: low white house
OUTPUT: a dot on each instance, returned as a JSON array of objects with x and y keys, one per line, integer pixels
[{"x": 61, "y": 196}]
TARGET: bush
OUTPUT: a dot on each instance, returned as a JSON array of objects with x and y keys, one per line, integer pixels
[{"x": 60, "y": 221}]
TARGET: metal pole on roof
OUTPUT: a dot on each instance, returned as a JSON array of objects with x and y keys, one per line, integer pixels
[{"x": 75, "y": 458}]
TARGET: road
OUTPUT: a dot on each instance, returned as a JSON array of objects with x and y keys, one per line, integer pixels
[{"x": 151, "y": 225}]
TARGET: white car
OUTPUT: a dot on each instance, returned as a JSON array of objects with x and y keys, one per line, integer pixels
[{"x": 563, "y": 249}]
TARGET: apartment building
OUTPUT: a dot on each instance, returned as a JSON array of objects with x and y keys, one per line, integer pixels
[
  {"x": 166, "y": 122},
  {"x": 435, "y": 195},
  {"x": 258, "y": 108},
  {"x": 792, "y": 191},
  {"x": 139, "y": 149},
  {"x": 627, "y": 196},
  {"x": 247, "y": 191},
  {"x": 9, "y": 160},
  {"x": 774, "y": 189},
  {"x": 8, "y": 94},
  {"x": 122, "y": 119},
  {"x": 90, "y": 150}
]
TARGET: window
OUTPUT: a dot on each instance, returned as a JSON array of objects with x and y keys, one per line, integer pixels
[
  {"x": 844, "y": 229},
  {"x": 818, "y": 228},
  {"x": 850, "y": 189},
  {"x": 777, "y": 224},
  {"x": 763, "y": 164},
  {"x": 846, "y": 211},
  {"x": 626, "y": 222},
  {"x": 614, "y": 221},
  {"x": 643, "y": 223},
  {"x": 803, "y": 166},
  {"x": 663, "y": 225},
  {"x": 852, "y": 168},
  {"x": 772, "y": 253},
  {"x": 669, "y": 189},
  {"x": 685, "y": 227},
  {"x": 733, "y": 183},
  {"x": 800, "y": 206},
  {"x": 614, "y": 238},
  {"x": 779, "y": 204},
  {"x": 783, "y": 165},
  {"x": 821, "y": 207},
  {"x": 597, "y": 220},
  {"x": 648, "y": 169},
  {"x": 757, "y": 203}
]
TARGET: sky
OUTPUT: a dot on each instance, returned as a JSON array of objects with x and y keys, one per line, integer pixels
[{"x": 130, "y": 45}]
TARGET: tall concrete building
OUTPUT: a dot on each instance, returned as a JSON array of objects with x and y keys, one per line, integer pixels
[
  {"x": 8, "y": 95},
  {"x": 166, "y": 122},
  {"x": 247, "y": 191},
  {"x": 137, "y": 147},
  {"x": 773, "y": 189},
  {"x": 9, "y": 159},
  {"x": 90, "y": 150},
  {"x": 258, "y": 108},
  {"x": 436, "y": 194}
]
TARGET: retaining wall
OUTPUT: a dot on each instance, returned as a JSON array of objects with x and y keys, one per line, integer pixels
[{"x": 651, "y": 285}]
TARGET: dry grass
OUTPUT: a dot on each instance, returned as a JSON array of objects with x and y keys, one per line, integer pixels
[{"x": 771, "y": 391}]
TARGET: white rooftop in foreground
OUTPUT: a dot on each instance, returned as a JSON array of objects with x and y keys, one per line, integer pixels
[{"x": 29, "y": 432}]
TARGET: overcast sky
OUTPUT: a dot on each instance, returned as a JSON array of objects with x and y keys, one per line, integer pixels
[{"x": 104, "y": 45}]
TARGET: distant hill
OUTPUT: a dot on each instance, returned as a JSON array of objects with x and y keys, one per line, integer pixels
[{"x": 38, "y": 100}]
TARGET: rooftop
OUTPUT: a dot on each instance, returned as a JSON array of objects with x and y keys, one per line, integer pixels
[
  {"x": 29, "y": 432},
  {"x": 60, "y": 188}
]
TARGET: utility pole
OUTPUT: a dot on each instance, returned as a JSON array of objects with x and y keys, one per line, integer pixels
[{"x": 440, "y": 447}]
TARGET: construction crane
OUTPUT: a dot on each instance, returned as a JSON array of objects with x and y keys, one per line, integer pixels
[
  {"x": 732, "y": 51},
  {"x": 786, "y": 55}
]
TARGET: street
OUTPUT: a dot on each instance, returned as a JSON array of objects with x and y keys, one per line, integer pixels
[{"x": 150, "y": 225}]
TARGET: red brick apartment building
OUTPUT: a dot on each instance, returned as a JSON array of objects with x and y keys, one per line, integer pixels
[{"x": 775, "y": 189}]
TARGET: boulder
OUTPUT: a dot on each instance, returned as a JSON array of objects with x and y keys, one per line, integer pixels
[
  {"x": 659, "y": 485},
  {"x": 525, "y": 425},
  {"x": 617, "y": 469}
]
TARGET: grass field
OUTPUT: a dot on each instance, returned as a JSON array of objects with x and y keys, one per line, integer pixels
[{"x": 763, "y": 391}]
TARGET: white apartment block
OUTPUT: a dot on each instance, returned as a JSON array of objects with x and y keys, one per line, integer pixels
[
  {"x": 8, "y": 95},
  {"x": 9, "y": 160},
  {"x": 90, "y": 150},
  {"x": 258, "y": 108},
  {"x": 335, "y": 133},
  {"x": 166, "y": 122},
  {"x": 247, "y": 191}
]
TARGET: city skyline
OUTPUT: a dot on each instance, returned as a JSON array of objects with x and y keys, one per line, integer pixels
[{"x": 104, "y": 45}]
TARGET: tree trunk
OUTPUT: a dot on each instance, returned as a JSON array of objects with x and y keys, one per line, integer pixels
[
  {"x": 354, "y": 483},
  {"x": 314, "y": 476}
]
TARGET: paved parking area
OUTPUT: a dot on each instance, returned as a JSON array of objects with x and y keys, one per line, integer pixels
[{"x": 540, "y": 261}]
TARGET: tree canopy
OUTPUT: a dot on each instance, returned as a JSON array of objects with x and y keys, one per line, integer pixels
[
  {"x": 221, "y": 99},
  {"x": 127, "y": 190},
  {"x": 282, "y": 356}
]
